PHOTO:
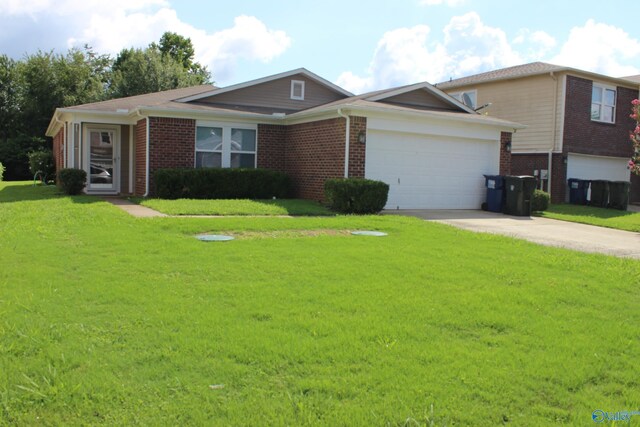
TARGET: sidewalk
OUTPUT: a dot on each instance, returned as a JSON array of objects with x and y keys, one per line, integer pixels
[{"x": 134, "y": 209}]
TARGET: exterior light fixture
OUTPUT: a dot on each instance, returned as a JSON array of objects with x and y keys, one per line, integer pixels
[
  {"x": 507, "y": 146},
  {"x": 362, "y": 137}
]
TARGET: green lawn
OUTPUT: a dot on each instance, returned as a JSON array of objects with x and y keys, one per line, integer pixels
[
  {"x": 612, "y": 218},
  {"x": 106, "y": 319},
  {"x": 296, "y": 207}
]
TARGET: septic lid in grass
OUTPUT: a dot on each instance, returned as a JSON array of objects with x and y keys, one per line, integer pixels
[
  {"x": 368, "y": 233},
  {"x": 214, "y": 238}
]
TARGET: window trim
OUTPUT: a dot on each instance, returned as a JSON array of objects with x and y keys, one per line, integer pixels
[
  {"x": 226, "y": 141},
  {"x": 295, "y": 83},
  {"x": 604, "y": 88}
]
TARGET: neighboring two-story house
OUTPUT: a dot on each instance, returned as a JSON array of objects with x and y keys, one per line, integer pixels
[{"x": 578, "y": 122}]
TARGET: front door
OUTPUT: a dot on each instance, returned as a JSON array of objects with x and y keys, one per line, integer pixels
[{"x": 103, "y": 165}]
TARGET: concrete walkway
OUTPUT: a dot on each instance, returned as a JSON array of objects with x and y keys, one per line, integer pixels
[
  {"x": 133, "y": 208},
  {"x": 545, "y": 231}
]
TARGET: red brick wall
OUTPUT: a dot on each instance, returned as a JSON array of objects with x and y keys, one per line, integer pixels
[
  {"x": 58, "y": 149},
  {"x": 172, "y": 144},
  {"x": 357, "y": 150},
  {"x": 505, "y": 155},
  {"x": 525, "y": 164},
  {"x": 271, "y": 146},
  {"x": 582, "y": 135},
  {"x": 314, "y": 153},
  {"x": 140, "y": 167}
]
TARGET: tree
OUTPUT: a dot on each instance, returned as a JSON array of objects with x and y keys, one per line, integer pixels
[
  {"x": 634, "y": 163},
  {"x": 164, "y": 66},
  {"x": 9, "y": 97}
]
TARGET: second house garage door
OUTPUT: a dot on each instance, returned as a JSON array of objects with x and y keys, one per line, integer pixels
[
  {"x": 596, "y": 167},
  {"x": 429, "y": 171}
]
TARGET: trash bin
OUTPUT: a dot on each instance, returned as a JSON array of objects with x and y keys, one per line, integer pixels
[
  {"x": 495, "y": 192},
  {"x": 519, "y": 191},
  {"x": 599, "y": 193},
  {"x": 619, "y": 195},
  {"x": 578, "y": 189}
]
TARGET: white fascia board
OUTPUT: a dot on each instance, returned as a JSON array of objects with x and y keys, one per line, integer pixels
[
  {"x": 267, "y": 79},
  {"x": 209, "y": 115},
  {"x": 430, "y": 88}
]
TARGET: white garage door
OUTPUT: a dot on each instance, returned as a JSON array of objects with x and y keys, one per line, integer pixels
[
  {"x": 431, "y": 172},
  {"x": 594, "y": 167}
]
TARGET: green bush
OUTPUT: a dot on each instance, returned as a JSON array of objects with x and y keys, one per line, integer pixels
[
  {"x": 14, "y": 156},
  {"x": 72, "y": 181},
  {"x": 540, "y": 201},
  {"x": 1, "y": 171},
  {"x": 215, "y": 183},
  {"x": 356, "y": 195},
  {"x": 42, "y": 162}
]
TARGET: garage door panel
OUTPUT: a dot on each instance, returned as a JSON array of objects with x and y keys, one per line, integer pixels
[
  {"x": 594, "y": 167},
  {"x": 433, "y": 172}
]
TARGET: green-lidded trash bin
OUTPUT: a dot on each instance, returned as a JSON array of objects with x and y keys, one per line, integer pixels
[
  {"x": 599, "y": 193},
  {"x": 495, "y": 192},
  {"x": 519, "y": 191},
  {"x": 578, "y": 189},
  {"x": 619, "y": 194}
]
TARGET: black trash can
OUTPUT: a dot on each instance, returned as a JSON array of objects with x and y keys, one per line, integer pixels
[
  {"x": 599, "y": 193},
  {"x": 578, "y": 189},
  {"x": 619, "y": 195},
  {"x": 495, "y": 192},
  {"x": 519, "y": 192}
]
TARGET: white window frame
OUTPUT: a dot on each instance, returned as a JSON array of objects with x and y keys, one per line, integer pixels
[
  {"x": 299, "y": 83},
  {"x": 226, "y": 141},
  {"x": 603, "y": 88},
  {"x": 458, "y": 96}
]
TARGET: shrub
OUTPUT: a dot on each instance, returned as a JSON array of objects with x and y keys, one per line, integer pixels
[
  {"x": 14, "y": 156},
  {"x": 214, "y": 183},
  {"x": 72, "y": 181},
  {"x": 1, "y": 171},
  {"x": 356, "y": 195},
  {"x": 42, "y": 162},
  {"x": 539, "y": 201}
]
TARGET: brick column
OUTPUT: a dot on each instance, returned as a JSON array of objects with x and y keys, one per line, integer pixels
[{"x": 505, "y": 156}]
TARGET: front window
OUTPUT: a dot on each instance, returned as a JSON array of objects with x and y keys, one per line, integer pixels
[
  {"x": 225, "y": 147},
  {"x": 603, "y": 104}
]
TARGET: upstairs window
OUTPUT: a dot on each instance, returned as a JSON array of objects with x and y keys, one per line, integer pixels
[
  {"x": 603, "y": 103},
  {"x": 468, "y": 98},
  {"x": 297, "y": 90}
]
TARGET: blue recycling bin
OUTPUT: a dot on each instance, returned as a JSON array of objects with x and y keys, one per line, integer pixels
[
  {"x": 495, "y": 192},
  {"x": 578, "y": 189}
]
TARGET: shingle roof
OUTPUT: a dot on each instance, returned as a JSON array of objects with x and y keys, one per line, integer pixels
[
  {"x": 148, "y": 100},
  {"x": 503, "y": 74},
  {"x": 633, "y": 78}
]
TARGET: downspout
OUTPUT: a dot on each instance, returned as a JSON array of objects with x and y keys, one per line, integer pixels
[
  {"x": 553, "y": 140},
  {"x": 346, "y": 142}
]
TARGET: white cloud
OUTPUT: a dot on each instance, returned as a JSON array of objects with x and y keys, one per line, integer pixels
[
  {"x": 450, "y": 3},
  {"x": 409, "y": 55},
  {"x": 600, "y": 48},
  {"x": 109, "y": 26},
  {"x": 467, "y": 46}
]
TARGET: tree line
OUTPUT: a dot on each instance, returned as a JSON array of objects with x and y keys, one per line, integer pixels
[{"x": 33, "y": 87}]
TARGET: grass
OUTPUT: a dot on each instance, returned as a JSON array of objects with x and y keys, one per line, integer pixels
[
  {"x": 295, "y": 207},
  {"x": 106, "y": 319},
  {"x": 611, "y": 218}
]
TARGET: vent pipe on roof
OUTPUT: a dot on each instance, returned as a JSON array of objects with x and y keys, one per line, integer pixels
[{"x": 346, "y": 142}]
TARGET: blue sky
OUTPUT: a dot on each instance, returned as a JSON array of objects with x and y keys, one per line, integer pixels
[{"x": 360, "y": 45}]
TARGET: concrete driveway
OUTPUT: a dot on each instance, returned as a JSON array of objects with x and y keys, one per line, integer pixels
[{"x": 550, "y": 232}]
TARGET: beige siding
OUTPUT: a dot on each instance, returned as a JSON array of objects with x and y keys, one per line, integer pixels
[
  {"x": 125, "y": 161},
  {"x": 276, "y": 95},
  {"x": 532, "y": 101},
  {"x": 419, "y": 98}
]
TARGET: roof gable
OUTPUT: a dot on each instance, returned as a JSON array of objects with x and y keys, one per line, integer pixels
[
  {"x": 420, "y": 96},
  {"x": 274, "y": 92}
]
